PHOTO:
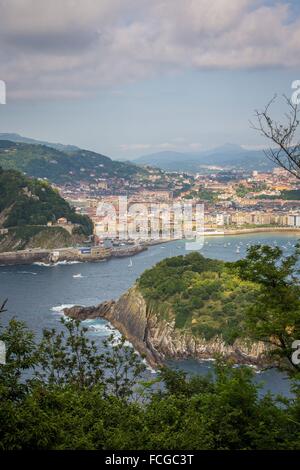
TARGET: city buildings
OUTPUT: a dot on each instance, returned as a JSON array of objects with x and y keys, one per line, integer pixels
[{"x": 231, "y": 198}]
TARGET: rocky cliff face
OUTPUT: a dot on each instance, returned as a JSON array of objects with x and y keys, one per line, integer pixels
[{"x": 158, "y": 339}]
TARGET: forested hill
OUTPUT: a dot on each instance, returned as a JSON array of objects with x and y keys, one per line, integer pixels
[
  {"x": 59, "y": 166},
  {"x": 201, "y": 296},
  {"x": 28, "y": 204}
]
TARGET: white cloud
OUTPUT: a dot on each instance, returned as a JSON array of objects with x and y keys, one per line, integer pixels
[
  {"x": 177, "y": 144},
  {"x": 195, "y": 146},
  {"x": 128, "y": 147},
  {"x": 166, "y": 146},
  {"x": 67, "y": 48}
]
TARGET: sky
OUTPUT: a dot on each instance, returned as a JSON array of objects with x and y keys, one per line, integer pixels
[{"x": 131, "y": 77}]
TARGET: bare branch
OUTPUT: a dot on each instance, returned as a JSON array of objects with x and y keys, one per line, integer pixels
[
  {"x": 2, "y": 307},
  {"x": 285, "y": 153}
]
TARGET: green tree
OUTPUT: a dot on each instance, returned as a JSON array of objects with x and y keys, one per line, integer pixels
[
  {"x": 274, "y": 317},
  {"x": 45, "y": 405}
]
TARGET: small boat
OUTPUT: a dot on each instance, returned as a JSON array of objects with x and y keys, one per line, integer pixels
[
  {"x": 130, "y": 263},
  {"x": 237, "y": 249},
  {"x": 76, "y": 276}
]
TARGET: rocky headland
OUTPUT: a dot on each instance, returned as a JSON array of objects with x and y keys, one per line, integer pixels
[{"x": 158, "y": 339}]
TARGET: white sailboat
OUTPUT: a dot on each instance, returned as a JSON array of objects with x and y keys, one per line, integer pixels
[{"x": 130, "y": 263}]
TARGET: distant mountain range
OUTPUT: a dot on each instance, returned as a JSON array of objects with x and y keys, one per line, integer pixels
[
  {"x": 59, "y": 163},
  {"x": 228, "y": 156}
]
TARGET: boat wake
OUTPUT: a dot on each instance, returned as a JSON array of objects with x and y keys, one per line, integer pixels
[{"x": 27, "y": 272}]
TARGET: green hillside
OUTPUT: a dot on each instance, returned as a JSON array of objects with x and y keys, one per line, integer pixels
[
  {"x": 13, "y": 137},
  {"x": 27, "y": 205},
  {"x": 204, "y": 296},
  {"x": 41, "y": 161}
]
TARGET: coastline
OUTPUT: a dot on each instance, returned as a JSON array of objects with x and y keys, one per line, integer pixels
[
  {"x": 134, "y": 329},
  {"x": 60, "y": 255},
  {"x": 290, "y": 230},
  {"x": 157, "y": 340},
  {"x": 71, "y": 254}
]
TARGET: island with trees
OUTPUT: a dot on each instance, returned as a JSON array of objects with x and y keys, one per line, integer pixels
[{"x": 193, "y": 307}]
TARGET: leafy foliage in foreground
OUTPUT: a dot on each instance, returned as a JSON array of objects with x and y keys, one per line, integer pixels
[
  {"x": 274, "y": 317},
  {"x": 63, "y": 394}
]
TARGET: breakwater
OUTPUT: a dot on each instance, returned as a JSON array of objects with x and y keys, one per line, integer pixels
[{"x": 93, "y": 254}]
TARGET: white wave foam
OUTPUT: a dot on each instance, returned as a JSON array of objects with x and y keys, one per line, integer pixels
[
  {"x": 148, "y": 367},
  {"x": 105, "y": 329},
  {"x": 108, "y": 327},
  {"x": 60, "y": 308},
  {"x": 58, "y": 263},
  {"x": 42, "y": 264},
  {"x": 67, "y": 262},
  {"x": 102, "y": 330}
]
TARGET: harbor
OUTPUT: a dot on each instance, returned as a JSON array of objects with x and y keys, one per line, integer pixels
[{"x": 71, "y": 254}]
